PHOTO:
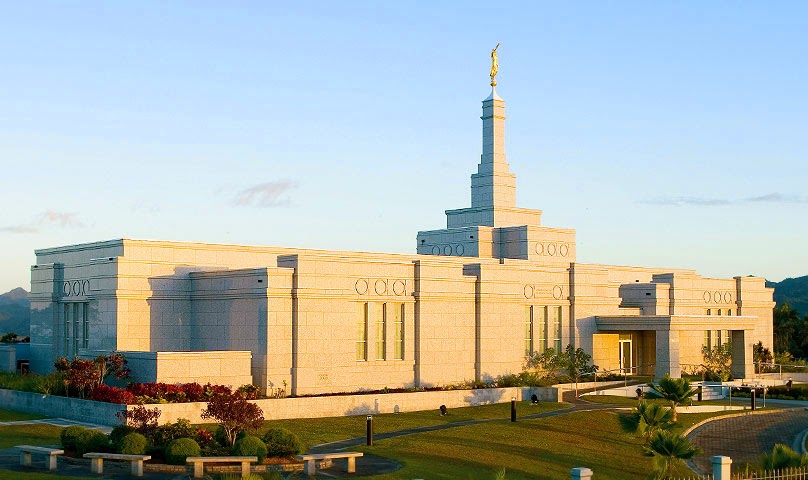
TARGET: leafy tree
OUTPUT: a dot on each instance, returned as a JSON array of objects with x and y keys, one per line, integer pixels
[
  {"x": 717, "y": 362},
  {"x": 674, "y": 390},
  {"x": 787, "y": 324},
  {"x": 761, "y": 356},
  {"x": 646, "y": 419},
  {"x": 669, "y": 450},
  {"x": 80, "y": 375},
  {"x": 782, "y": 457},
  {"x": 234, "y": 413},
  {"x": 113, "y": 364},
  {"x": 142, "y": 419},
  {"x": 545, "y": 364},
  {"x": 576, "y": 362}
]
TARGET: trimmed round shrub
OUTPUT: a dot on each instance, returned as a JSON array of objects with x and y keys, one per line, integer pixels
[
  {"x": 281, "y": 442},
  {"x": 117, "y": 434},
  {"x": 180, "y": 449},
  {"x": 91, "y": 441},
  {"x": 70, "y": 436},
  {"x": 249, "y": 446},
  {"x": 133, "y": 444}
]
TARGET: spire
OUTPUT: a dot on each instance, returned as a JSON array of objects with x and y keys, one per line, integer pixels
[{"x": 493, "y": 185}]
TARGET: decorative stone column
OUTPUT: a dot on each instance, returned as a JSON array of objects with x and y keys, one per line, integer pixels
[
  {"x": 742, "y": 355},
  {"x": 667, "y": 354}
]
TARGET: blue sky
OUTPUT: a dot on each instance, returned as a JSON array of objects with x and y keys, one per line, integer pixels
[{"x": 668, "y": 134}]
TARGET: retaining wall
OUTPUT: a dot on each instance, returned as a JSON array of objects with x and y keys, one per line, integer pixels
[{"x": 278, "y": 408}]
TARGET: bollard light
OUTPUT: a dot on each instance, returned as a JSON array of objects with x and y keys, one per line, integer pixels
[
  {"x": 370, "y": 430},
  {"x": 513, "y": 409}
]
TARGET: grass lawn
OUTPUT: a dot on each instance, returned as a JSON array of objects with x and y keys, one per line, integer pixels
[
  {"x": 36, "y": 434},
  {"x": 12, "y": 416},
  {"x": 314, "y": 431},
  {"x": 9, "y": 475}
]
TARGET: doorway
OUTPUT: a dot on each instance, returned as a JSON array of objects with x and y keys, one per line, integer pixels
[{"x": 626, "y": 354}]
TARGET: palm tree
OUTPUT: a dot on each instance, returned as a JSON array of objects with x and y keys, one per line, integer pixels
[
  {"x": 675, "y": 390},
  {"x": 647, "y": 419},
  {"x": 782, "y": 457},
  {"x": 669, "y": 450}
]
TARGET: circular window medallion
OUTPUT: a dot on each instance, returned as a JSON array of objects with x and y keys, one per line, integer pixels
[
  {"x": 717, "y": 297},
  {"x": 76, "y": 288},
  {"x": 447, "y": 249},
  {"x": 85, "y": 287},
  {"x": 565, "y": 250},
  {"x": 528, "y": 291},
  {"x": 727, "y": 297},
  {"x": 66, "y": 288},
  {"x": 707, "y": 296},
  {"x": 361, "y": 286},
  {"x": 540, "y": 248},
  {"x": 381, "y": 287},
  {"x": 551, "y": 249},
  {"x": 558, "y": 291},
  {"x": 436, "y": 250},
  {"x": 460, "y": 250},
  {"x": 399, "y": 287}
]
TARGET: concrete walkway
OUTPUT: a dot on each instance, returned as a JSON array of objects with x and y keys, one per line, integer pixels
[{"x": 58, "y": 422}]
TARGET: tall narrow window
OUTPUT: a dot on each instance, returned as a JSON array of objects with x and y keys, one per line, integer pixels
[
  {"x": 76, "y": 325},
  {"x": 362, "y": 333},
  {"x": 556, "y": 328},
  {"x": 727, "y": 337},
  {"x": 67, "y": 329},
  {"x": 86, "y": 323},
  {"x": 398, "y": 326},
  {"x": 528, "y": 331},
  {"x": 707, "y": 339},
  {"x": 709, "y": 311},
  {"x": 540, "y": 329},
  {"x": 717, "y": 338},
  {"x": 381, "y": 330}
]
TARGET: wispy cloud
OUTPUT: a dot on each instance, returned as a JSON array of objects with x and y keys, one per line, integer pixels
[
  {"x": 713, "y": 202},
  {"x": 269, "y": 194},
  {"x": 49, "y": 218}
]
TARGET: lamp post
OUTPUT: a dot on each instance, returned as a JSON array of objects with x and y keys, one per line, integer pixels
[
  {"x": 370, "y": 430},
  {"x": 513, "y": 409}
]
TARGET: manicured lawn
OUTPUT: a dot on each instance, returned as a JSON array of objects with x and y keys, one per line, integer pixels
[
  {"x": 36, "y": 434},
  {"x": 9, "y": 475},
  {"x": 12, "y": 416},
  {"x": 314, "y": 431},
  {"x": 528, "y": 449}
]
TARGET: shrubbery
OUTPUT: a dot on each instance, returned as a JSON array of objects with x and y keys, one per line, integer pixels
[
  {"x": 91, "y": 441},
  {"x": 178, "y": 450},
  {"x": 117, "y": 434},
  {"x": 249, "y": 446},
  {"x": 280, "y": 442},
  {"x": 133, "y": 444},
  {"x": 70, "y": 436}
]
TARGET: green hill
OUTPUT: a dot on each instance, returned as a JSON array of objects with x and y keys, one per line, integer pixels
[
  {"x": 15, "y": 312},
  {"x": 793, "y": 291}
]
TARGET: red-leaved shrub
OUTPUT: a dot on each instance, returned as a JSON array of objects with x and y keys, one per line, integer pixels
[{"x": 105, "y": 393}]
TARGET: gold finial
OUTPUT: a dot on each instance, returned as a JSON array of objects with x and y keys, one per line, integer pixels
[{"x": 494, "y": 66}]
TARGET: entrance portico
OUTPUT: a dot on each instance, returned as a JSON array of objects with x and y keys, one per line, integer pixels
[{"x": 676, "y": 340}]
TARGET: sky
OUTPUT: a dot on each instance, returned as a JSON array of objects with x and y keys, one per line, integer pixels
[{"x": 668, "y": 134}]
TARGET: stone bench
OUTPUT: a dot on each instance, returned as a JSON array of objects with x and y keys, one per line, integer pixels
[
  {"x": 27, "y": 450},
  {"x": 199, "y": 464},
  {"x": 312, "y": 458},
  {"x": 97, "y": 461}
]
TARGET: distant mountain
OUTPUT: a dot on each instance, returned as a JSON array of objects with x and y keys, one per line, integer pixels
[
  {"x": 793, "y": 291},
  {"x": 15, "y": 312}
]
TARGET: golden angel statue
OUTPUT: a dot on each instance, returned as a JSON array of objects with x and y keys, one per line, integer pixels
[{"x": 494, "y": 66}]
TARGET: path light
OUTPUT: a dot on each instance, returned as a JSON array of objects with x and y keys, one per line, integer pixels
[
  {"x": 513, "y": 409},
  {"x": 370, "y": 430},
  {"x": 443, "y": 410}
]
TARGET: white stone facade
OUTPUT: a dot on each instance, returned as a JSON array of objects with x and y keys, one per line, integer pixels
[{"x": 468, "y": 306}]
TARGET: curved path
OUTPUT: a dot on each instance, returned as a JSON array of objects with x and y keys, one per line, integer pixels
[{"x": 745, "y": 436}]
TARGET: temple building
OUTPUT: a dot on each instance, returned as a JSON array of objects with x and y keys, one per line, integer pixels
[{"x": 476, "y": 299}]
